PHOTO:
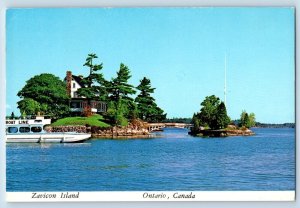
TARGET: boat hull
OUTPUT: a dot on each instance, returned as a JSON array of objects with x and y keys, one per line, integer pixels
[{"x": 47, "y": 138}]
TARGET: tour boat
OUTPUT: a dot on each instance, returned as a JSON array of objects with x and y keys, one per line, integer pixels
[{"x": 32, "y": 130}]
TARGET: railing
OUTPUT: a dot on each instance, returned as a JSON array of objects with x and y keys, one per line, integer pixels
[{"x": 160, "y": 126}]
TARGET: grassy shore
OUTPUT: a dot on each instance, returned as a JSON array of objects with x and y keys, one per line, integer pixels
[{"x": 95, "y": 120}]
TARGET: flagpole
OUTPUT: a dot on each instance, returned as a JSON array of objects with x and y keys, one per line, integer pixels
[{"x": 225, "y": 77}]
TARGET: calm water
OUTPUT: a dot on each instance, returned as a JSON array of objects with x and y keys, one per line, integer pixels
[{"x": 175, "y": 161}]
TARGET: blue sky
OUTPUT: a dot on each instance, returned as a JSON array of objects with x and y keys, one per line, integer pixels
[{"x": 181, "y": 50}]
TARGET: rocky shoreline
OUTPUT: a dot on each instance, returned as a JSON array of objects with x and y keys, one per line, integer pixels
[
  {"x": 130, "y": 131},
  {"x": 224, "y": 133},
  {"x": 141, "y": 130}
]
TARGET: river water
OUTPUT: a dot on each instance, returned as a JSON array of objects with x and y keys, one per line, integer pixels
[{"x": 172, "y": 161}]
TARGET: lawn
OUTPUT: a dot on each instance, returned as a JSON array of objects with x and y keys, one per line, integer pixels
[{"x": 95, "y": 120}]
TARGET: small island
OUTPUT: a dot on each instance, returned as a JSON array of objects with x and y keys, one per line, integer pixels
[
  {"x": 213, "y": 121},
  {"x": 92, "y": 103}
]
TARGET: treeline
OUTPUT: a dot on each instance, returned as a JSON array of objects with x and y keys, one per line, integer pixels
[
  {"x": 266, "y": 125},
  {"x": 47, "y": 94},
  {"x": 178, "y": 120}
]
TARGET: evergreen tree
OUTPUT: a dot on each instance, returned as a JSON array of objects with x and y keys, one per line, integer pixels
[
  {"x": 119, "y": 88},
  {"x": 94, "y": 84},
  {"x": 222, "y": 119},
  {"x": 146, "y": 106},
  {"x": 121, "y": 106}
]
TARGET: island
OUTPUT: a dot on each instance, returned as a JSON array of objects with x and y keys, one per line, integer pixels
[
  {"x": 213, "y": 121},
  {"x": 107, "y": 108}
]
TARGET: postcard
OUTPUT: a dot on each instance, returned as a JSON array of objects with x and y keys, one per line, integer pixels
[{"x": 150, "y": 104}]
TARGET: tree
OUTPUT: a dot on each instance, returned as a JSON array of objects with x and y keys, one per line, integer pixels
[
  {"x": 146, "y": 106},
  {"x": 119, "y": 88},
  {"x": 213, "y": 114},
  {"x": 115, "y": 113},
  {"x": 94, "y": 83},
  {"x": 156, "y": 114},
  {"x": 252, "y": 120},
  {"x": 196, "y": 123},
  {"x": 121, "y": 106},
  {"x": 29, "y": 106},
  {"x": 46, "y": 93},
  {"x": 12, "y": 115},
  {"x": 247, "y": 120},
  {"x": 208, "y": 111},
  {"x": 222, "y": 119}
]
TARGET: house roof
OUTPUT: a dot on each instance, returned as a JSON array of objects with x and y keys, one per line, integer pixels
[{"x": 78, "y": 79}]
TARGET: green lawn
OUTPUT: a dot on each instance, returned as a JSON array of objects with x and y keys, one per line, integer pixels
[{"x": 95, "y": 120}]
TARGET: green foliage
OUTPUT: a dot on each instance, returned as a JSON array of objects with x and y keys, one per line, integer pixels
[
  {"x": 208, "y": 111},
  {"x": 23, "y": 114},
  {"x": 268, "y": 125},
  {"x": 44, "y": 93},
  {"x": 94, "y": 84},
  {"x": 121, "y": 106},
  {"x": 12, "y": 115},
  {"x": 118, "y": 88},
  {"x": 47, "y": 94},
  {"x": 247, "y": 120},
  {"x": 95, "y": 120},
  {"x": 196, "y": 123},
  {"x": 213, "y": 114},
  {"x": 252, "y": 120},
  {"x": 132, "y": 110},
  {"x": 147, "y": 108},
  {"x": 29, "y": 106},
  {"x": 116, "y": 113},
  {"x": 178, "y": 120},
  {"x": 222, "y": 119}
]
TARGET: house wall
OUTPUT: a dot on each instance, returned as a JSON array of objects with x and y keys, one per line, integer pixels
[
  {"x": 74, "y": 87},
  {"x": 78, "y": 103}
]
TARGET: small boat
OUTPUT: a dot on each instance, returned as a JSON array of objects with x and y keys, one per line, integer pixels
[{"x": 32, "y": 130}]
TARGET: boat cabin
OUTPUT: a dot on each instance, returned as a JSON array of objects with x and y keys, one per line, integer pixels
[{"x": 32, "y": 125}]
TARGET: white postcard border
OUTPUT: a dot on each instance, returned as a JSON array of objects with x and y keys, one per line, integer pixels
[
  {"x": 26, "y": 195},
  {"x": 171, "y": 196}
]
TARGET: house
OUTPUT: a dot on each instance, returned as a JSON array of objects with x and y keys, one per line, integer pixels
[{"x": 78, "y": 103}]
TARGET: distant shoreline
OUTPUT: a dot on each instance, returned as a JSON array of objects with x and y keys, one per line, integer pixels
[
  {"x": 257, "y": 125},
  {"x": 265, "y": 125}
]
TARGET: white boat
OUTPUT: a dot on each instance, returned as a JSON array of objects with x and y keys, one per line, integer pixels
[{"x": 32, "y": 130}]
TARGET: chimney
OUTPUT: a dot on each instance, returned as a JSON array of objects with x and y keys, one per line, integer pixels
[{"x": 69, "y": 81}]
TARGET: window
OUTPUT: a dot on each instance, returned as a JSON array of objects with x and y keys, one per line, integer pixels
[
  {"x": 74, "y": 85},
  {"x": 75, "y": 104},
  {"x": 24, "y": 129},
  {"x": 12, "y": 129},
  {"x": 36, "y": 129}
]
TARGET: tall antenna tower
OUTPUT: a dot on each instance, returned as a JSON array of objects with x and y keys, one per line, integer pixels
[{"x": 225, "y": 77}]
